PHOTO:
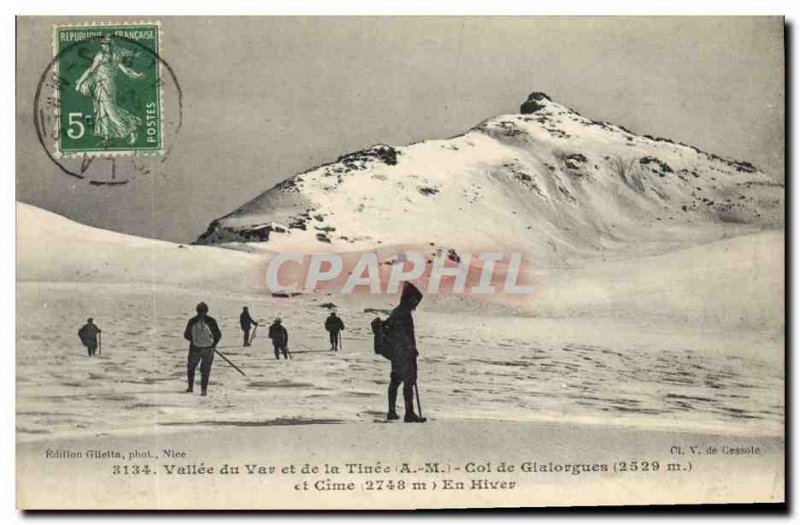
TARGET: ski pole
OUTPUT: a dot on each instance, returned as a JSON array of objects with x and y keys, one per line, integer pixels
[
  {"x": 419, "y": 405},
  {"x": 229, "y": 362}
]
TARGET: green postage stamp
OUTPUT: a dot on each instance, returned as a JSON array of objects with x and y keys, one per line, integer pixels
[{"x": 108, "y": 89}]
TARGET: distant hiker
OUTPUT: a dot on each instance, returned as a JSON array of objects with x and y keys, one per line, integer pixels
[
  {"x": 245, "y": 321},
  {"x": 88, "y": 334},
  {"x": 400, "y": 329},
  {"x": 203, "y": 335},
  {"x": 280, "y": 339},
  {"x": 334, "y": 325}
]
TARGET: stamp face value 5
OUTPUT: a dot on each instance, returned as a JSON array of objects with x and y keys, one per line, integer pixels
[{"x": 108, "y": 89}]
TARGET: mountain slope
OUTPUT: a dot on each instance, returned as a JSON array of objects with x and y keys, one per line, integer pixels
[
  {"x": 548, "y": 181},
  {"x": 52, "y": 248}
]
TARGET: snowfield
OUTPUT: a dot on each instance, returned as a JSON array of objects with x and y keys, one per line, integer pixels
[
  {"x": 54, "y": 249},
  {"x": 689, "y": 341}
]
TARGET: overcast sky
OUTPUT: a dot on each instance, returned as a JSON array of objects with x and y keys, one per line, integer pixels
[{"x": 265, "y": 98}]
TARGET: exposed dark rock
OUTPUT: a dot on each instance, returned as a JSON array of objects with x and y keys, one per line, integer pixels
[
  {"x": 285, "y": 295},
  {"x": 298, "y": 223},
  {"x": 216, "y": 234},
  {"x": 206, "y": 235},
  {"x": 662, "y": 168},
  {"x": 358, "y": 160},
  {"x": 574, "y": 161},
  {"x": 744, "y": 167},
  {"x": 289, "y": 184},
  {"x": 534, "y": 103}
]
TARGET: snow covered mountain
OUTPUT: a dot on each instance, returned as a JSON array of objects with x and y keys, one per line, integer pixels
[
  {"x": 547, "y": 181},
  {"x": 54, "y": 249}
]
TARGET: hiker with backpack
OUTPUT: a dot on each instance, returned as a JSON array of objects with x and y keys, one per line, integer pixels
[
  {"x": 245, "y": 321},
  {"x": 334, "y": 325},
  {"x": 394, "y": 339},
  {"x": 203, "y": 334},
  {"x": 280, "y": 339},
  {"x": 88, "y": 335}
]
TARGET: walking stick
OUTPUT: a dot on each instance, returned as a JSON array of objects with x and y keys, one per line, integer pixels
[
  {"x": 339, "y": 342},
  {"x": 253, "y": 336},
  {"x": 419, "y": 405},
  {"x": 229, "y": 362},
  {"x": 99, "y": 343}
]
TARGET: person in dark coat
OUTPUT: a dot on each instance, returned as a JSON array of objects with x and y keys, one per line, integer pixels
[
  {"x": 88, "y": 334},
  {"x": 245, "y": 321},
  {"x": 203, "y": 334},
  {"x": 280, "y": 339},
  {"x": 400, "y": 326},
  {"x": 334, "y": 325}
]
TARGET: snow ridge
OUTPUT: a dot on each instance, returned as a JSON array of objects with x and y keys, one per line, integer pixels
[{"x": 547, "y": 180}]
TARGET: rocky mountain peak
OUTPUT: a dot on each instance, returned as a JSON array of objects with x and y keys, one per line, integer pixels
[
  {"x": 536, "y": 101},
  {"x": 548, "y": 181}
]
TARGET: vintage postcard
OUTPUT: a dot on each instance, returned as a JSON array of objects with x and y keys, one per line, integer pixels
[{"x": 399, "y": 263}]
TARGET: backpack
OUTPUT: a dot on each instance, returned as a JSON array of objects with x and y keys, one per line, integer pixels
[
  {"x": 382, "y": 339},
  {"x": 201, "y": 335}
]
